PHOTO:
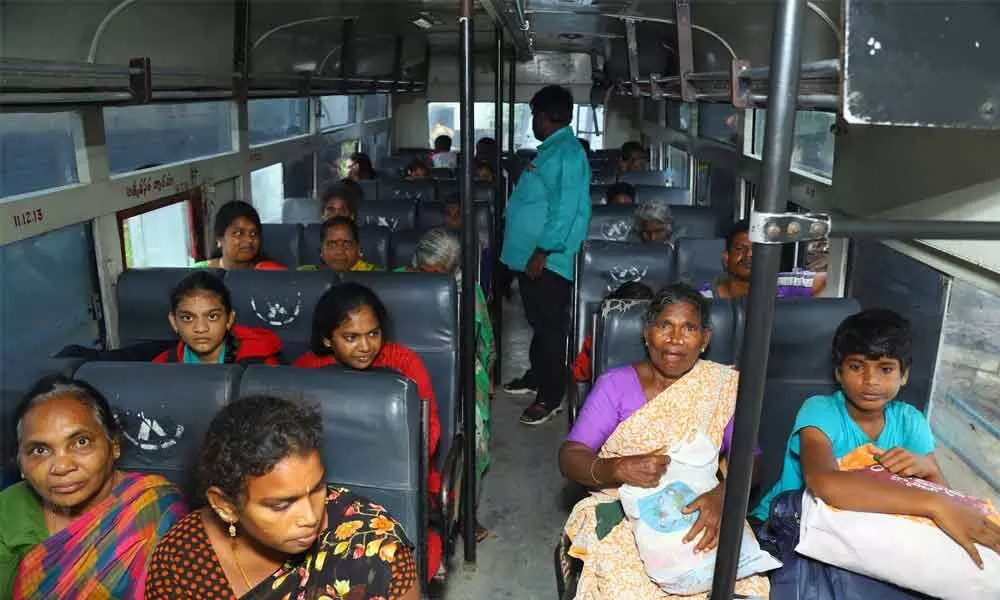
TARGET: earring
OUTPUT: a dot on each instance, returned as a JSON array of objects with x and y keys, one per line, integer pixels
[{"x": 232, "y": 530}]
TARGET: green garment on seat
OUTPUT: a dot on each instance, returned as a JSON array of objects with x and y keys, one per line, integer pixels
[{"x": 22, "y": 527}]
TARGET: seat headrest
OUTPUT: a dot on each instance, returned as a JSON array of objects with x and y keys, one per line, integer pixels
[
  {"x": 282, "y": 301},
  {"x": 374, "y": 241},
  {"x": 657, "y": 193},
  {"x": 442, "y": 173},
  {"x": 659, "y": 178},
  {"x": 396, "y": 190},
  {"x": 164, "y": 410},
  {"x": 612, "y": 222},
  {"x": 603, "y": 267},
  {"x": 694, "y": 222},
  {"x": 394, "y": 214},
  {"x": 431, "y": 214},
  {"x": 301, "y": 210},
  {"x": 404, "y": 244},
  {"x": 144, "y": 302},
  {"x": 619, "y": 334},
  {"x": 598, "y": 194},
  {"x": 282, "y": 242},
  {"x": 699, "y": 260},
  {"x": 369, "y": 189},
  {"x": 802, "y": 342}
]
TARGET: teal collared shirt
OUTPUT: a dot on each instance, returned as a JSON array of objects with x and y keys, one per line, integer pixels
[
  {"x": 190, "y": 358},
  {"x": 550, "y": 207}
]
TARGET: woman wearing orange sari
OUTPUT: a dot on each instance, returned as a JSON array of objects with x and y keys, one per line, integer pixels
[{"x": 632, "y": 419}]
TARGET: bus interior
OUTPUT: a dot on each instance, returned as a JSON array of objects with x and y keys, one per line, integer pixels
[{"x": 125, "y": 124}]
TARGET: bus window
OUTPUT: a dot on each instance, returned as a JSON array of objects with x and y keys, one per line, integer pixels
[
  {"x": 161, "y": 237},
  {"x": 153, "y": 134},
  {"x": 965, "y": 410},
  {"x": 442, "y": 119},
  {"x": 337, "y": 111},
  {"x": 374, "y": 107},
  {"x": 37, "y": 151},
  {"x": 812, "y": 154},
  {"x": 267, "y": 189},
  {"x": 719, "y": 122},
  {"x": 273, "y": 119},
  {"x": 376, "y": 146}
]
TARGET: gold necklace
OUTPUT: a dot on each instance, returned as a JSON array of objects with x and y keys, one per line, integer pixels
[{"x": 236, "y": 560}]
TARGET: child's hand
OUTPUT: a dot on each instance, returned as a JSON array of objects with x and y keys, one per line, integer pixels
[
  {"x": 967, "y": 525},
  {"x": 900, "y": 461}
]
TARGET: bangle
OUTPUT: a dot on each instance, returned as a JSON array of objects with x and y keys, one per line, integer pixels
[{"x": 593, "y": 475}]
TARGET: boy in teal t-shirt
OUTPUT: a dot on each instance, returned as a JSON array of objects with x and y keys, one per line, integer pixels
[{"x": 873, "y": 353}]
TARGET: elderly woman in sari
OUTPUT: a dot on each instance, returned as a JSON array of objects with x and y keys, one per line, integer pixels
[
  {"x": 624, "y": 433},
  {"x": 654, "y": 222},
  {"x": 272, "y": 528},
  {"x": 76, "y": 527}
]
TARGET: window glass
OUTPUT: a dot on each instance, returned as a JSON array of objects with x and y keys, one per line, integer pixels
[
  {"x": 332, "y": 162},
  {"x": 719, "y": 122},
  {"x": 812, "y": 153},
  {"x": 336, "y": 111},
  {"x": 37, "y": 151},
  {"x": 267, "y": 189},
  {"x": 678, "y": 115},
  {"x": 47, "y": 283},
  {"x": 443, "y": 119},
  {"x": 159, "y": 238},
  {"x": 375, "y": 106},
  {"x": 677, "y": 162},
  {"x": 153, "y": 134},
  {"x": 274, "y": 119},
  {"x": 376, "y": 146},
  {"x": 965, "y": 410}
]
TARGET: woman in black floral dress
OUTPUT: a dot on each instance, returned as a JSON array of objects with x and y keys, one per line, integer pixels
[{"x": 273, "y": 529}]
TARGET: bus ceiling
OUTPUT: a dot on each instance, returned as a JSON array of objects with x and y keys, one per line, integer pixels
[{"x": 887, "y": 62}]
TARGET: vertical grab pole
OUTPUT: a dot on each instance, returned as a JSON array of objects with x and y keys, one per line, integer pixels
[
  {"x": 511, "y": 99},
  {"x": 786, "y": 58},
  {"x": 499, "y": 202},
  {"x": 470, "y": 266}
]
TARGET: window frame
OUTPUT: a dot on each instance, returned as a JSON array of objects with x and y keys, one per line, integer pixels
[{"x": 195, "y": 218}]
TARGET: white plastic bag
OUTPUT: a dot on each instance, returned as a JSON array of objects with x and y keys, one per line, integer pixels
[
  {"x": 660, "y": 526},
  {"x": 910, "y": 552}
]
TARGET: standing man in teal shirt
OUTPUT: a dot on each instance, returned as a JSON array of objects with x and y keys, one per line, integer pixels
[{"x": 547, "y": 219}]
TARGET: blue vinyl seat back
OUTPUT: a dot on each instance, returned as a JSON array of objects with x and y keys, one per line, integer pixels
[
  {"x": 397, "y": 190},
  {"x": 301, "y": 210},
  {"x": 699, "y": 260},
  {"x": 375, "y": 242},
  {"x": 799, "y": 366},
  {"x": 164, "y": 411},
  {"x": 659, "y": 178},
  {"x": 282, "y": 301},
  {"x": 404, "y": 244},
  {"x": 395, "y": 215},
  {"x": 282, "y": 243},
  {"x": 694, "y": 222},
  {"x": 432, "y": 215},
  {"x": 369, "y": 189},
  {"x": 612, "y": 222},
  {"x": 372, "y": 437},
  {"x": 657, "y": 193},
  {"x": 618, "y": 340},
  {"x": 144, "y": 302},
  {"x": 598, "y": 194},
  {"x": 423, "y": 316}
]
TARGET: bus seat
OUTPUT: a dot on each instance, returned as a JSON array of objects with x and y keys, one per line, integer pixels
[
  {"x": 423, "y": 316},
  {"x": 658, "y": 178},
  {"x": 699, "y": 260},
  {"x": 446, "y": 188},
  {"x": 281, "y": 242},
  {"x": 694, "y": 222},
  {"x": 657, "y": 193},
  {"x": 431, "y": 214},
  {"x": 164, "y": 411},
  {"x": 612, "y": 223},
  {"x": 374, "y": 240},
  {"x": 442, "y": 173},
  {"x": 300, "y": 210},
  {"x": 144, "y": 301},
  {"x": 598, "y": 194},
  {"x": 603, "y": 267},
  {"x": 404, "y": 243},
  {"x": 618, "y": 338},
  {"x": 484, "y": 191},
  {"x": 369, "y": 189},
  {"x": 282, "y": 301},
  {"x": 799, "y": 366},
  {"x": 395, "y": 166},
  {"x": 372, "y": 433},
  {"x": 397, "y": 190},
  {"x": 396, "y": 215}
]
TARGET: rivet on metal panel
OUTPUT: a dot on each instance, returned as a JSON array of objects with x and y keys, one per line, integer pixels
[{"x": 988, "y": 110}]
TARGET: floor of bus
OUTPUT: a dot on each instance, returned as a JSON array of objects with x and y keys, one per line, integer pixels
[{"x": 522, "y": 501}]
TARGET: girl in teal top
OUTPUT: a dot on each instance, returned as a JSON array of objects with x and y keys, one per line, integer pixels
[{"x": 873, "y": 354}]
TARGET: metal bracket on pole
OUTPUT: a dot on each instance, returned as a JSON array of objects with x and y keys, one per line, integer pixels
[
  {"x": 685, "y": 50},
  {"x": 140, "y": 79},
  {"x": 785, "y": 228},
  {"x": 739, "y": 85},
  {"x": 633, "y": 55}
]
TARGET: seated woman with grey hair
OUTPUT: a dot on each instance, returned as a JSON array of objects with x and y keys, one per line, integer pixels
[
  {"x": 654, "y": 222},
  {"x": 440, "y": 251}
]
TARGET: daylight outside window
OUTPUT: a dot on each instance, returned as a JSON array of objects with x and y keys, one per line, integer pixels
[
  {"x": 443, "y": 119},
  {"x": 159, "y": 238},
  {"x": 812, "y": 153}
]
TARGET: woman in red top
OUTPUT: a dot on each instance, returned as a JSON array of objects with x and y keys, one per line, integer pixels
[
  {"x": 201, "y": 312},
  {"x": 239, "y": 237},
  {"x": 348, "y": 330}
]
